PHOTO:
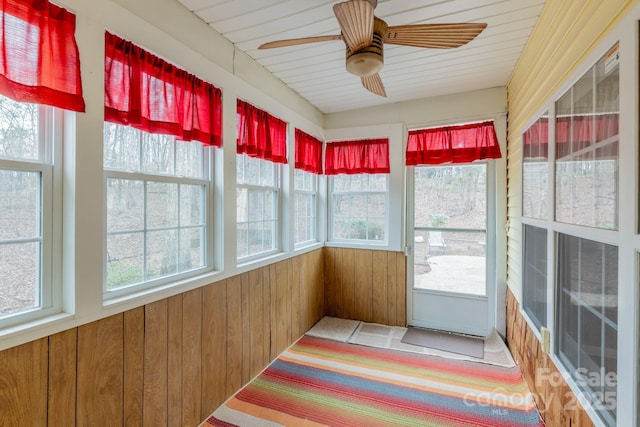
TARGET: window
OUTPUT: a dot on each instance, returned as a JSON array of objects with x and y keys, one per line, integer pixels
[
  {"x": 451, "y": 228},
  {"x": 359, "y": 189},
  {"x": 534, "y": 275},
  {"x": 587, "y": 317},
  {"x": 359, "y": 207},
  {"x": 261, "y": 146},
  {"x": 257, "y": 197},
  {"x": 156, "y": 206},
  {"x": 308, "y": 164},
  {"x": 28, "y": 189},
  {"x": 35, "y": 71},
  {"x": 306, "y": 194},
  {"x": 587, "y": 119}
]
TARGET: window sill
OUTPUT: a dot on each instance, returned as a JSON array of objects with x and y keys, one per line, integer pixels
[{"x": 35, "y": 329}]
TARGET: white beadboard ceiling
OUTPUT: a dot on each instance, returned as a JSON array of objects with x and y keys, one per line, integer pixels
[{"x": 317, "y": 71}]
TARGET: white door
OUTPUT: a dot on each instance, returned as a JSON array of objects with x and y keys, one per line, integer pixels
[{"x": 451, "y": 268}]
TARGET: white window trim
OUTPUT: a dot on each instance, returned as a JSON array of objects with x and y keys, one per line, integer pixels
[
  {"x": 343, "y": 241},
  {"x": 137, "y": 289},
  {"x": 315, "y": 227},
  {"x": 395, "y": 235}
]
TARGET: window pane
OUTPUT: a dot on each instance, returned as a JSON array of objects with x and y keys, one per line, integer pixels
[
  {"x": 157, "y": 153},
  {"x": 242, "y": 239},
  {"x": 450, "y": 261},
  {"x": 125, "y": 204},
  {"x": 189, "y": 157},
  {"x": 19, "y": 204},
  {"x": 587, "y": 142},
  {"x": 191, "y": 248},
  {"x": 121, "y": 147},
  {"x": 162, "y": 205},
  {"x": 587, "y": 340},
  {"x": 191, "y": 205},
  {"x": 125, "y": 259},
  {"x": 534, "y": 286},
  {"x": 19, "y": 277},
  {"x": 359, "y": 207},
  {"x": 19, "y": 124},
  {"x": 162, "y": 252},
  {"x": 535, "y": 169},
  {"x": 451, "y": 196},
  {"x": 257, "y": 206}
]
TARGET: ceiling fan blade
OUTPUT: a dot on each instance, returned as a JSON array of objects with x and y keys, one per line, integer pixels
[
  {"x": 438, "y": 36},
  {"x": 356, "y": 22},
  {"x": 303, "y": 40},
  {"x": 373, "y": 83}
]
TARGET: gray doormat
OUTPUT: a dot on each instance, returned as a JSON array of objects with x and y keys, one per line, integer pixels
[{"x": 453, "y": 343}]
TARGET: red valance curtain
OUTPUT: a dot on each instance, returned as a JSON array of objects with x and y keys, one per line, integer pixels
[
  {"x": 355, "y": 157},
  {"x": 308, "y": 153},
  {"x": 39, "y": 61},
  {"x": 148, "y": 93},
  {"x": 574, "y": 133},
  {"x": 452, "y": 144},
  {"x": 260, "y": 134},
  {"x": 536, "y": 140}
]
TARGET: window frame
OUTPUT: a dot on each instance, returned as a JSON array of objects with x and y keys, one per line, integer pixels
[
  {"x": 50, "y": 167},
  {"x": 602, "y": 235},
  {"x": 277, "y": 191},
  {"x": 208, "y": 246},
  {"x": 313, "y": 194},
  {"x": 331, "y": 211}
]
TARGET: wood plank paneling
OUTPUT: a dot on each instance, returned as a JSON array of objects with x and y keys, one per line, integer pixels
[
  {"x": 246, "y": 328},
  {"x": 62, "y": 379},
  {"x": 154, "y": 409},
  {"x": 256, "y": 322},
  {"x": 379, "y": 292},
  {"x": 330, "y": 288},
  {"x": 191, "y": 357},
  {"x": 100, "y": 371},
  {"x": 234, "y": 341},
  {"x": 171, "y": 362},
  {"x": 347, "y": 280},
  {"x": 215, "y": 366},
  {"x": 174, "y": 360},
  {"x": 133, "y": 366},
  {"x": 365, "y": 285},
  {"x": 556, "y": 402},
  {"x": 23, "y": 384}
]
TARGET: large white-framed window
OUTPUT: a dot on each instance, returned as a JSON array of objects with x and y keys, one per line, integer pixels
[
  {"x": 306, "y": 207},
  {"x": 358, "y": 208},
  {"x": 258, "y": 199},
  {"x": 571, "y": 161},
  {"x": 30, "y": 213},
  {"x": 158, "y": 199},
  {"x": 587, "y": 319}
]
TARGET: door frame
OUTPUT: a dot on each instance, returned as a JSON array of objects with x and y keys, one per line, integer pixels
[{"x": 497, "y": 231}]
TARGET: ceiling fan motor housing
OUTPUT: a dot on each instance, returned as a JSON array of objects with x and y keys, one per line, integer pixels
[{"x": 369, "y": 60}]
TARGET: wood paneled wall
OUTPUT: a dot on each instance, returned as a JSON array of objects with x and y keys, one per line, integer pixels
[
  {"x": 169, "y": 363},
  {"x": 556, "y": 402},
  {"x": 367, "y": 285}
]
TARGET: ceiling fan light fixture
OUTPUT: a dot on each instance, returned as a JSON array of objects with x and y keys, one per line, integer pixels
[{"x": 364, "y": 63}]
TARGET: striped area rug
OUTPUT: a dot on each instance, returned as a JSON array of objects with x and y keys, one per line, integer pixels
[{"x": 319, "y": 382}]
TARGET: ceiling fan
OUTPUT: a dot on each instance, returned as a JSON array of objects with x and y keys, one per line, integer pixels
[{"x": 365, "y": 34}]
